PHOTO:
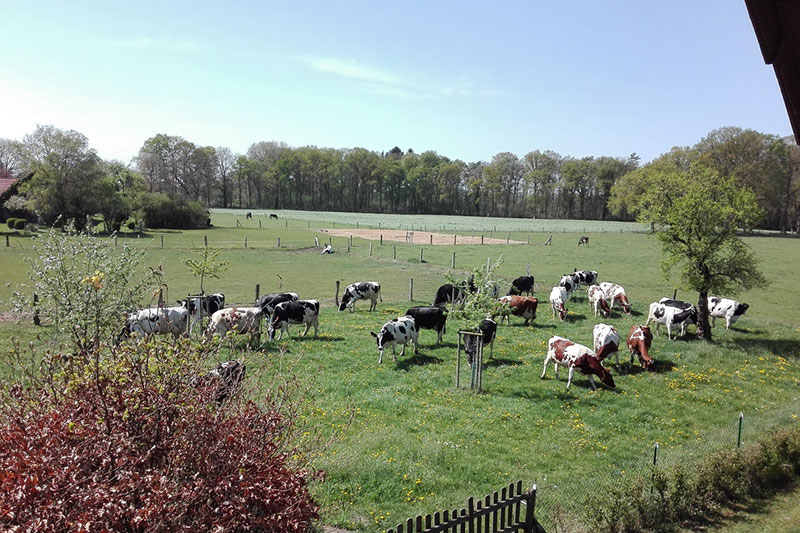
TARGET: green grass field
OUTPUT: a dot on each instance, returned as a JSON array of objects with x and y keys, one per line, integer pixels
[{"x": 416, "y": 444}]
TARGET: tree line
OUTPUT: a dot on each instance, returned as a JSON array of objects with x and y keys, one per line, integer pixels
[{"x": 273, "y": 175}]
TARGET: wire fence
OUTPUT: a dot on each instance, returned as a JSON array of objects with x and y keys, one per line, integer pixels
[{"x": 558, "y": 503}]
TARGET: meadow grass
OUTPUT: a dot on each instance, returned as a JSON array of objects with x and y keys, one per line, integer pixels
[{"x": 417, "y": 444}]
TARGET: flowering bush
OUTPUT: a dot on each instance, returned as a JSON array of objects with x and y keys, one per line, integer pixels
[{"x": 133, "y": 443}]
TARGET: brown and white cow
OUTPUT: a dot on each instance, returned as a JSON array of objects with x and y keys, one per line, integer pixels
[
  {"x": 597, "y": 300},
  {"x": 639, "y": 340},
  {"x": 564, "y": 352},
  {"x": 238, "y": 319},
  {"x": 616, "y": 293},
  {"x": 606, "y": 342},
  {"x": 558, "y": 301},
  {"x": 522, "y": 306}
]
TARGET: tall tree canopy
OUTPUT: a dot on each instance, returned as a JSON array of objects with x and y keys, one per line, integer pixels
[{"x": 696, "y": 215}]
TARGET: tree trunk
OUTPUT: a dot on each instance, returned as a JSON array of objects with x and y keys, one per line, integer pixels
[{"x": 703, "y": 326}]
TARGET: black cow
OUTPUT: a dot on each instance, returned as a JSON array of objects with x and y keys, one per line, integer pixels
[
  {"x": 520, "y": 285},
  {"x": 273, "y": 215},
  {"x": 249, "y": 215},
  {"x": 489, "y": 329},
  {"x": 296, "y": 312},
  {"x": 268, "y": 302},
  {"x": 357, "y": 291},
  {"x": 448, "y": 293},
  {"x": 680, "y": 304},
  {"x": 429, "y": 317}
]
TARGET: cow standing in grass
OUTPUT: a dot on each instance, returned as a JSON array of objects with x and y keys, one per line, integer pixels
[
  {"x": 521, "y": 306},
  {"x": 558, "y": 299},
  {"x": 639, "y": 340},
  {"x": 357, "y": 291},
  {"x": 157, "y": 321},
  {"x": 521, "y": 285},
  {"x": 606, "y": 342},
  {"x": 597, "y": 300},
  {"x": 400, "y": 330},
  {"x": 429, "y": 317},
  {"x": 269, "y": 302},
  {"x": 564, "y": 352},
  {"x": 616, "y": 293},
  {"x": 730, "y": 310},
  {"x": 295, "y": 312}
]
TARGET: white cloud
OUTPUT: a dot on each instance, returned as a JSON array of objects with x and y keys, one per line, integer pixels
[{"x": 350, "y": 68}]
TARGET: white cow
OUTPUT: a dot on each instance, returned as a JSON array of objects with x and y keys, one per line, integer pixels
[
  {"x": 238, "y": 319},
  {"x": 606, "y": 342},
  {"x": 157, "y": 321},
  {"x": 671, "y": 316},
  {"x": 616, "y": 293},
  {"x": 597, "y": 300},
  {"x": 558, "y": 299},
  {"x": 730, "y": 310}
]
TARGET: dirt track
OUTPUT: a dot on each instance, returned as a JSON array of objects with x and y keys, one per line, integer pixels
[{"x": 413, "y": 237}]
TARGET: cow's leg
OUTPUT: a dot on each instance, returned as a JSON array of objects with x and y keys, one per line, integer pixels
[
  {"x": 714, "y": 322},
  {"x": 591, "y": 382},
  {"x": 380, "y": 356},
  {"x": 569, "y": 376},
  {"x": 316, "y": 326},
  {"x": 438, "y": 337},
  {"x": 727, "y": 322},
  {"x": 308, "y": 327},
  {"x": 402, "y": 352},
  {"x": 616, "y": 354},
  {"x": 544, "y": 368}
]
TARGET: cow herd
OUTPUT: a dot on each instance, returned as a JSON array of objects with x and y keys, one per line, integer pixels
[{"x": 280, "y": 310}]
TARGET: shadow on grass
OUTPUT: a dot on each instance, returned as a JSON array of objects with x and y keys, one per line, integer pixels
[
  {"x": 416, "y": 360},
  {"x": 781, "y": 347},
  {"x": 659, "y": 367},
  {"x": 499, "y": 361}
]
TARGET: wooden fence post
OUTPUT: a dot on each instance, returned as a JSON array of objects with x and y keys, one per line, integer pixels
[
  {"x": 508, "y": 238},
  {"x": 287, "y": 224},
  {"x": 162, "y": 241},
  {"x": 279, "y": 242},
  {"x": 7, "y": 243},
  {"x": 431, "y": 239},
  {"x": 481, "y": 239},
  {"x": 394, "y": 251},
  {"x": 453, "y": 263},
  {"x": 336, "y": 296},
  {"x": 381, "y": 240},
  {"x": 245, "y": 241},
  {"x": 420, "y": 255},
  {"x": 258, "y": 291},
  {"x": 370, "y": 249},
  {"x": 36, "y": 320},
  {"x": 259, "y": 223},
  {"x": 205, "y": 240},
  {"x": 411, "y": 289},
  {"x": 454, "y": 238}
]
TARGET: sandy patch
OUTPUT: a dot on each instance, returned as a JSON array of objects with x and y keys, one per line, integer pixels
[{"x": 414, "y": 237}]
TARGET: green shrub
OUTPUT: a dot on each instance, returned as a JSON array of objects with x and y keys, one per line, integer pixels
[
  {"x": 20, "y": 223},
  {"x": 161, "y": 211},
  {"x": 11, "y": 222},
  {"x": 689, "y": 492}
]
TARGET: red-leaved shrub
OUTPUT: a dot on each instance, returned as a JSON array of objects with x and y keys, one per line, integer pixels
[{"x": 133, "y": 444}]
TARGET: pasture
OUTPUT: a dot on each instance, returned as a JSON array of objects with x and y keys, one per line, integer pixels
[{"x": 416, "y": 444}]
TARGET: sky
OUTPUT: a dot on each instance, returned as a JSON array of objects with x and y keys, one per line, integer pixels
[{"x": 465, "y": 79}]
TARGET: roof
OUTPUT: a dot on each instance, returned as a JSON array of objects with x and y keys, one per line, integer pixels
[
  {"x": 5, "y": 183},
  {"x": 777, "y": 27}
]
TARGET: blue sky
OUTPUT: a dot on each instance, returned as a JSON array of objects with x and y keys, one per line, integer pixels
[{"x": 466, "y": 79}]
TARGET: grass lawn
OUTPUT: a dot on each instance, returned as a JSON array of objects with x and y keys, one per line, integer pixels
[{"x": 416, "y": 444}]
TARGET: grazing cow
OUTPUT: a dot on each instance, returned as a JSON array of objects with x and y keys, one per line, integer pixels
[
  {"x": 558, "y": 299},
  {"x": 569, "y": 282},
  {"x": 583, "y": 240},
  {"x": 730, "y": 310},
  {"x": 273, "y": 216},
  {"x": 359, "y": 290},
  {"x": 616, "y": 293},
  {"x": 157, "y": 321},
  {"x": 449, "y": 293},
  {"x": 671, "y": 316},
  {"x": 606, "y": 342},
  {"x": 639, "y": 340},
  {"x": 489, "y": 329},
  {"x": 268, "y": 302},
  {"x": 400, "y": 330},
  {"x": 585, "y": 277},
  {"x": 429, "y": 317},
  {"x": 249, "y": 215},
  {"x": 520, "y": 285},
  {"x": 239, "y": 319},
  {"x": 522, "y": 306},
  {"x": 203, "y": 306},
  {"x": 296, "y": 312},
  {"x": 597, "y": 300},
  {"x": 328, "y": 249},
  {"x": 564, "y": 352}
]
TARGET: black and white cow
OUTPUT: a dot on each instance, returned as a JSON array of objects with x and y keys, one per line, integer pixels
[
  {"x": 558, "y": 301},
  {"x": 585, "y": 277},
  {"x": 583, "y": 240},
  {"x": 449, "y": 293},
  {"x": 156, "y": 321},
  {"x": 671, "y": 316},
  {"x": 489, "y": 329},
  {"x": 295, "y": 312},
  {"x": 569, "y": 282},
  {"x": 229, "y": 376},
  {"x": 520, "y": 285},
  {"x": 730, "y": 310},
  {"x": 400, "y": 330},
  {"x": 429, "y": 317},
  {"x": 203, "y": 306},
  {"x": 268, "y": 302},
  {"x": 359, "y": 290}
]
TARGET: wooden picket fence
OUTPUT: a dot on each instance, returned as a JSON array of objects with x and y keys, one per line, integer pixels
[{"x": 496, "y": 513}]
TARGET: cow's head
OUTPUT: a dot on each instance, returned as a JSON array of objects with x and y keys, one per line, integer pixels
[
  {"x": 740, "y": 309},
  {"x": 623, "y": 301},
  {"x": 592, "y": 366},
  {"x": 562, "y": 311},
  {"x": 604, "y": 308},
  {"x": 189, "y": 304},
  {"x": 346, "y": 297}
]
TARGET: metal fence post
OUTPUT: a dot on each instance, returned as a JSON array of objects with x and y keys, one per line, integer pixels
[
  {"x": 336, "y": 297},
  {"x": 411, "y": 289},
  {"x": 655, "y": 454}
]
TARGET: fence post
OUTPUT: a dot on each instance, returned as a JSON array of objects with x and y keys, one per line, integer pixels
[
  {"x": 7, "y": 243},
  {"x": 529, "y": 238},
  {"x": 431, "y": 239},
  {"x": 279, "y": 242},
  {"x": 381, "y": 240},
  {"x": 453, "y": 263},
  {"x": 356, "y": 224},
  {"x": 36, "y": 320},
  {"x": 394, "y": 251},
  {"x": 245, "y": 241},
  {"x": 370, "y": 249},
  {"x": 420, "y": 255},
  {"x": 336, "y": 297},
  {"x": 471, "y": 512},
  {"x": 508, "y": 238},
  {"x": 287, "y": 224},
  {"x": 481, "y": 239},
  {"x": 205, "y": 240},
  {"x": 655, "y": 454},
  {"x": 348, "y": 246},
  {"x": 258, "y": 291},
  {"x": 330, "y": 241},
  {"x": 162, "y": 241},
  {"x": 454, "y": 238},
  {"x": 115, "y": 241},
  {"x": 739, "y": 439},
  {"x": 411, "y": 289},
  {"x": 259, "y": 223}
]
